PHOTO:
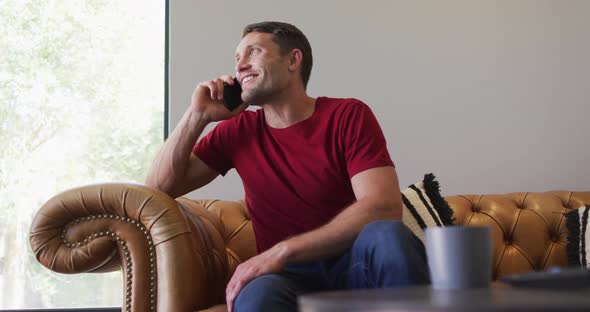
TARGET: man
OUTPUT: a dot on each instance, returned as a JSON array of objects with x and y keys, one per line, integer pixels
[{"x": 316, "y": 172}]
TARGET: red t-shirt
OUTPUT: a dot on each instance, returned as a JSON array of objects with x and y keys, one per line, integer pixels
[{"x": 297, "y": 179}]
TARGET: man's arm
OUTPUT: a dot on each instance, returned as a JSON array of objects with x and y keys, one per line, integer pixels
[
  {"x": 378, "y": 198},
  {"x": 176, "y": 170}
]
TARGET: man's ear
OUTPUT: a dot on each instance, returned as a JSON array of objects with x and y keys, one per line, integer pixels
[{"x": 295, "y": 59}]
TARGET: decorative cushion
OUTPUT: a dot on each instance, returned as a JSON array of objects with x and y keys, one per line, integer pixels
[
  {"x": 578, "y": 237},
  {"x": 425, "y": 207}
]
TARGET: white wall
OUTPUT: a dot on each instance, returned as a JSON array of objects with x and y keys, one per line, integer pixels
[{"x": 491, "y": 96}]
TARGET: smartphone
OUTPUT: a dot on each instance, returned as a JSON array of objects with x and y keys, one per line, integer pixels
[{"x": 232, "y": 95}]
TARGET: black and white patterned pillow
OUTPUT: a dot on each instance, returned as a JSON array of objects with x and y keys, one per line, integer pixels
[
  {"x": 578, "y": 238},
  {"x": 425, "y": 207}
]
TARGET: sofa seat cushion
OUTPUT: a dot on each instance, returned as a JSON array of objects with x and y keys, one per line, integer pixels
[{"x": 216, "y": 308}]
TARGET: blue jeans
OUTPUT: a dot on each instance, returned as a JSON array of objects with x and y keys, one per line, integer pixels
[{"x": 385, "y": 254}]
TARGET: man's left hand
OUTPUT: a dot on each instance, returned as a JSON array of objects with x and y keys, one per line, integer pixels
[{"x": 270, "y": 261}]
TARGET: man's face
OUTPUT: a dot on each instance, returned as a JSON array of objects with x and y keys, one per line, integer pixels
[{"x": 260, "y": 68}]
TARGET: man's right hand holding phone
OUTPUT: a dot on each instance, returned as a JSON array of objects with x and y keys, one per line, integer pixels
[{"x": 208, "y": 99}]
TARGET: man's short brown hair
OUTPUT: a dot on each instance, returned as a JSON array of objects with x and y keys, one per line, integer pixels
[{"x": 287, "y": 37}]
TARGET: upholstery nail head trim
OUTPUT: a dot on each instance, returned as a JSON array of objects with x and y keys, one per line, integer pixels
[{"x": 127, "y": 257}]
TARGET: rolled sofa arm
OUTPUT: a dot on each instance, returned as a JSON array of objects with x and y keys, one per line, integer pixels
[{"x": 172, "y": 259}]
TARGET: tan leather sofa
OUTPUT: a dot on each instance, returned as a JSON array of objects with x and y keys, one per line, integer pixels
[{"x": 177, "y": 255}]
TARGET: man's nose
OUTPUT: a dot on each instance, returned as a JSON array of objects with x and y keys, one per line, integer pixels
[{"x": 242, "y": 65}]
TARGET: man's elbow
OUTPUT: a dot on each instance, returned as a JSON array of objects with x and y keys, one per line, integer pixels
[
  {"x": 391, "y": 207},
  {"x": 153, "y": 182}
]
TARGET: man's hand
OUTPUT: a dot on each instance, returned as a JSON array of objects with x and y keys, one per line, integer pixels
[
  {"x": 270, "y": 261},
  {"x": 207, "y": 99}
]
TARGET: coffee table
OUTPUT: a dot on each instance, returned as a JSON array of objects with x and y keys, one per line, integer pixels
[{"x": 425, "y": 298}]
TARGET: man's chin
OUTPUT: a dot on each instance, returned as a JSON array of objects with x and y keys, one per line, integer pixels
[{"x": 252, "y": 99}]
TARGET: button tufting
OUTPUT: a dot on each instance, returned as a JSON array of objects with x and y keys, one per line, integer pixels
[{"x": 509, "y": 241}]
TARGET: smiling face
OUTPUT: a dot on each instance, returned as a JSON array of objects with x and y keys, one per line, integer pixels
[{"x": 261, "y": 68}]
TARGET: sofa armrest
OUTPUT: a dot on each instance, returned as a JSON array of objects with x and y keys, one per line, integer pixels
[{"x": 169, "y": 263}]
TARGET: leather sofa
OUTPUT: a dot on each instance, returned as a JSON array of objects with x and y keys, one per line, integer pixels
[{"x": 178, "y": 255}]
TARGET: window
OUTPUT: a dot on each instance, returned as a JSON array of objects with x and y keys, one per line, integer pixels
[{"x": 81, "y": 101}]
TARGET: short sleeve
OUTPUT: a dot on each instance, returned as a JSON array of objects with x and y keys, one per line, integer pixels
[
  {"x": 215, "y": 148},
  {"x": 363, "y": 140}
]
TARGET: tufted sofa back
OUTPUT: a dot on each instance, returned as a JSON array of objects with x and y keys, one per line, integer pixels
[{"x": 528, "y": 229}]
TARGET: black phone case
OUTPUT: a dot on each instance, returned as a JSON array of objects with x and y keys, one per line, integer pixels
[{"x": 232, "y": 95}]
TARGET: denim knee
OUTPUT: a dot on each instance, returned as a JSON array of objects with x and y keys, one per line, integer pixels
[
  {"x": 266, "y": 293},
  {"x": 387, "y": 254},
  {"x": 384, "y": 233}
]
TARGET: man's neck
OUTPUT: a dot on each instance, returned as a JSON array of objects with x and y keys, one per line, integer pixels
[{"x": 288, "y": 109}]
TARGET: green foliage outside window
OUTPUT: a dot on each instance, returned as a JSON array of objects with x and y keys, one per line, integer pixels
[{"x": 81, "y": 101}]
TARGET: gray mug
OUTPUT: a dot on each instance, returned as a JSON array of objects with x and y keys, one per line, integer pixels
[{"x": 459, "y": 257}]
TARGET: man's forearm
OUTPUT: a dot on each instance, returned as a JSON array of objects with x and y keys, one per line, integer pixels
[
  {"x": 338, "y": 235},
  {"x": 170, "y": 165}
]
